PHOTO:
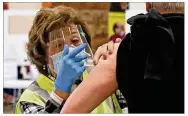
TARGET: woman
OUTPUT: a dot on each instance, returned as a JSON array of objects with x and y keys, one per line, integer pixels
[{"x": 58, "y": 57}]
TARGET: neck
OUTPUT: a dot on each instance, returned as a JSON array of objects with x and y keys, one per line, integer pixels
[{"x": 170, "y": 12}]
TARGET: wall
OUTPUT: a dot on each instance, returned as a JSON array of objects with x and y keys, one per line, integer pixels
[
  {"x": 20, "y": 23},
  {"x": 24, "y": 6},
  {"x": 18, "y": 18},
  {"x": 135, "y": 8},
  {"x": 84, "y": 5}
]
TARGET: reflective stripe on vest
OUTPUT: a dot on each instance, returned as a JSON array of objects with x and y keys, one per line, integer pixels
[
  {"x": 41, "y": 92},
  {"x": 37, "y": 93}
]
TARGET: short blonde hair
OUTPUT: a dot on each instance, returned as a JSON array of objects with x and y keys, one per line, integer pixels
[{"x": 168, "y": 6}]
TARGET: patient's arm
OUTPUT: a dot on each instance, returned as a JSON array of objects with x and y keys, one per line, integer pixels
[{"x": 99, "y": 85}]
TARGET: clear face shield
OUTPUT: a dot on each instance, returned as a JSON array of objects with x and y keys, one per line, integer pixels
[{"x": 73, "y": 36}]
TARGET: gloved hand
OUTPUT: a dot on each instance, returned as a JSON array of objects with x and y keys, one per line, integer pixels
[{"x": 71, "y": 68}]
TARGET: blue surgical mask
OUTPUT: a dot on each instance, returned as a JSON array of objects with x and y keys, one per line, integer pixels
[{"x": 57, "y": 58}]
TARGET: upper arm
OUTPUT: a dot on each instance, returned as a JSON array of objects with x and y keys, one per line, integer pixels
[{"x": 93, "y": 91}]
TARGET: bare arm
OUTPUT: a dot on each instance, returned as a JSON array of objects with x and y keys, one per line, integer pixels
[{"x": 100, "y": 84}]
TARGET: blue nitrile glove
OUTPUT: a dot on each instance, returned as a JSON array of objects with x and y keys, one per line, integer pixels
[{"x": 71, "y": 68}]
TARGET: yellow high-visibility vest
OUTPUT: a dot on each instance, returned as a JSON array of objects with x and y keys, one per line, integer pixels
[{"x": 39, "y": 92}]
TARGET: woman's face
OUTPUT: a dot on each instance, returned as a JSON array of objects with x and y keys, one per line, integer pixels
[{"x": 58, "y": 38}]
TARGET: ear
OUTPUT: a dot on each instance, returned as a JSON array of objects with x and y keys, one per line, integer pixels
[{"x": 148, "y": 6}]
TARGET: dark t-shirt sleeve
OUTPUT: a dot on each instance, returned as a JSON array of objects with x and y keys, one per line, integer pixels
[{"x": 130, "y": 73}]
